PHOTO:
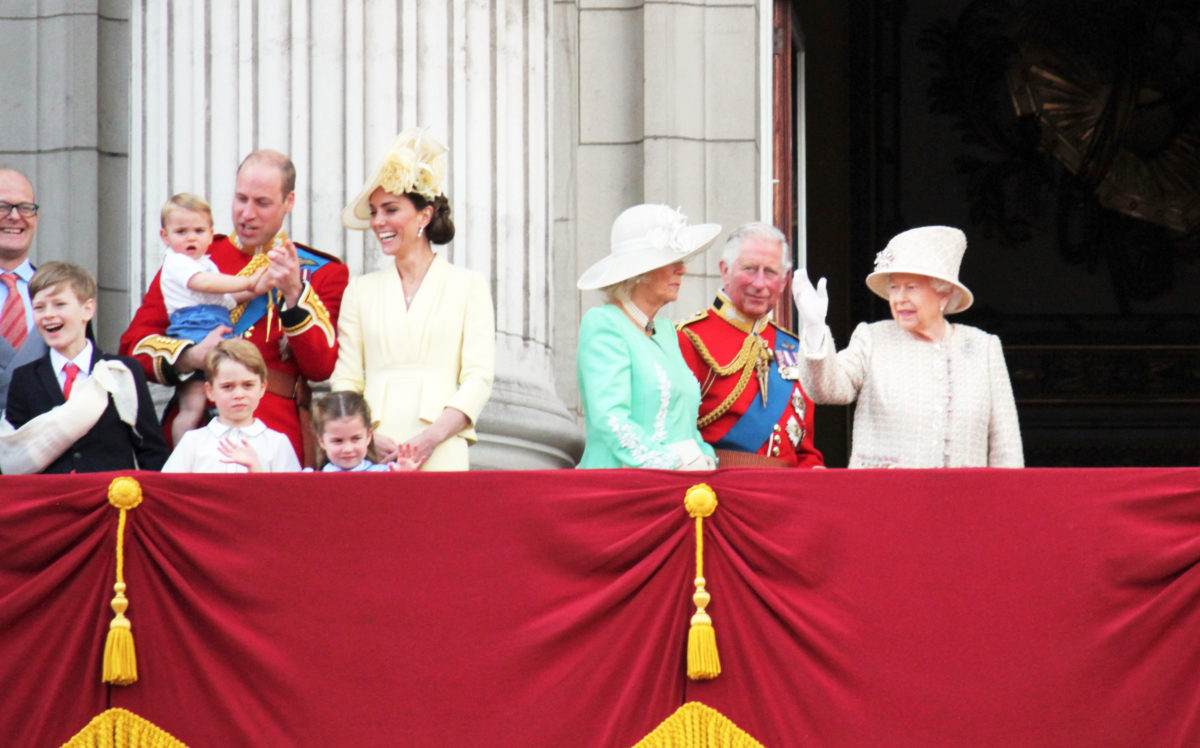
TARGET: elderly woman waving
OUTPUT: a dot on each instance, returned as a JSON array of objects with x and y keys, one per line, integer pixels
[
  {"x": 640, "y": 400},
  {"x": 930, "y": 393}
]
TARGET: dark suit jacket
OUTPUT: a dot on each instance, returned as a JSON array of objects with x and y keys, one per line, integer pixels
[
  {"x": 111, "y": 444},
  {"x": 11, "y": 359}
]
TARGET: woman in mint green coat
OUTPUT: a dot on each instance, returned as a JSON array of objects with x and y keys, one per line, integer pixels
[{"x": 640, "y": 400}]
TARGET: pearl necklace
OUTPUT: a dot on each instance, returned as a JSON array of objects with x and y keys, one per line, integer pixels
[{"x": 638, "y": 315}]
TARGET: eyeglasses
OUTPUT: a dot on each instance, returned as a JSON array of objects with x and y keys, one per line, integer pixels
[{"x": 27, "y": 210}]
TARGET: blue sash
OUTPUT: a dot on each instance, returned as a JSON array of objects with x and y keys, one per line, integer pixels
[
  {"x": 256, "y": 308},
  {"x": 754, "y": 428}
]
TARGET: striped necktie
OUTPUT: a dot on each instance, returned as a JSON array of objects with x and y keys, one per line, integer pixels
[{"x": 12, "y": 317}]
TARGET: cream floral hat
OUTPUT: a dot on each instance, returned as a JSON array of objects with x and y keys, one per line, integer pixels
[
  {"x": 644, "y": 238},
  {"x": 414, "y": 163},
  {"x": 932, "y": 251}
]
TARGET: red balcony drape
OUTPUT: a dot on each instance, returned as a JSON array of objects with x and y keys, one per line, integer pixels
[{"x": 955, "y": 607}]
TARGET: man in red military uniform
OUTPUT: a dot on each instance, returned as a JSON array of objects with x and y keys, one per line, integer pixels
[
  {"x": 753, "y": 410},
  {"x": 294, "y": 325}
]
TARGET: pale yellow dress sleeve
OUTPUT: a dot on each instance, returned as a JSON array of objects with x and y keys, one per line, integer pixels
[
  {"x": 478, "y": 358},
  {"x": 348, "y": 373}
]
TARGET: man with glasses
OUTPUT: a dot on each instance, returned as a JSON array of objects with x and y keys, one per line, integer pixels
[{"x": 19, "y": 343}]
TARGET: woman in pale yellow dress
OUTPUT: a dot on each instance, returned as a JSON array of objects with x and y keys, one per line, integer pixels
[{"x": 416, "y": 338}]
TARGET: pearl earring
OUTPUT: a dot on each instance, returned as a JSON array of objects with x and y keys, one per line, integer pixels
[{"x": 420, "y": 230}]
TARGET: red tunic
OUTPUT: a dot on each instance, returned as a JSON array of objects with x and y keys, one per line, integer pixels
[
  {"x": 298, "y": 342},
  {"x": 791, "y": 437}
]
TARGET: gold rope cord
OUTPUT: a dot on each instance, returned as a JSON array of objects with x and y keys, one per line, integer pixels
[
  {"x": 696, "y": 725},
  {"x": 120, "y": 659},
  {"x": 703, "y": 660},
  {"x": 748, "y": 357}
]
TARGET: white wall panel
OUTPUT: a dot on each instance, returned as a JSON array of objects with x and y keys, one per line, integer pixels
[{"x": 331, "y": 83}]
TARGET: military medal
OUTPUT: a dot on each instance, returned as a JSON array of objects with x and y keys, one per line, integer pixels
[{"x": 789, "y": 368}]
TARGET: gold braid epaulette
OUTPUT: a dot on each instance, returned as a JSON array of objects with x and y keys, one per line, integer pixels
[{"x": 746, "y": 361}]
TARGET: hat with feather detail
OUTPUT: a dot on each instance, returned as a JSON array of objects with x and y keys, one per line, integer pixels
[{"x": 415, "y": 162}]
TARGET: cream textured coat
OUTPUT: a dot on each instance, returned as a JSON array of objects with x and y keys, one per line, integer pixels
[
  {"x": 412, "y": 362},
  {"x": 920, "y": 404}
]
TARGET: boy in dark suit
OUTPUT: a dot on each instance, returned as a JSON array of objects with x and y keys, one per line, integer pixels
[{"x": 127, "y": 435}]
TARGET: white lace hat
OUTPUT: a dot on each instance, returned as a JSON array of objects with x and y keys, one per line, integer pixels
[
  {"x": 932, "y": 251},
  {"x": 644, "y": 238},
  {"x": 414, "y": 163}
]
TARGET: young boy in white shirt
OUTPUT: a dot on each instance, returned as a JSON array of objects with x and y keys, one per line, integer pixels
[{"x": 235, "y": 441}]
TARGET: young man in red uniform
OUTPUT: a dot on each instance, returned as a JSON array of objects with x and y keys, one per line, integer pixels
[
  {"x": 753, "y": 410},
  {"x": 294, "y": 325}
]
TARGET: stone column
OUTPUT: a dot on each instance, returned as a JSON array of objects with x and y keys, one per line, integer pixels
[
  {"x": 658, "y": 101},
  {"x": 330, "y": 83},
  {"x": 66, "y": 123}
]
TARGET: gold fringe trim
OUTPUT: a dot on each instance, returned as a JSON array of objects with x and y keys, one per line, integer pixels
[
  {"x": 120, "y": 658},
  {"x": 118, "y": 728},
  {"x": 696, "y": 725},
  {"x": 703, "y": 662}
]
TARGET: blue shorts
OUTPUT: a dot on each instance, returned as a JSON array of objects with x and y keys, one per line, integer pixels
[{"x": 194, "y": 323}]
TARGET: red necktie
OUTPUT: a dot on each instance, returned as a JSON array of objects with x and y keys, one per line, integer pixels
[
  {"x": 12, "y": 316},
  {"x": 71, "y": 371}
]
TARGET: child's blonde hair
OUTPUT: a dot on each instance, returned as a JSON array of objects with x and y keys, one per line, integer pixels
[
  {"x": 50, "y": 274},
  {"x": 341, "y": 404},
  {"x": 235, "y": 349},
  {"x": 186, "y": 201}
]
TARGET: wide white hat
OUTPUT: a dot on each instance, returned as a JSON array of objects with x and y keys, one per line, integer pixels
[
  {"x": 644, "y": 238},
  {"x": 932, "y": 251},
  {"x": 414, "y": 163}
]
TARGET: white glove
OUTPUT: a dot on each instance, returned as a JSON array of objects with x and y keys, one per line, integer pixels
[
  {"x": 690, "y": 456},
  {"x": 812, "y": 304},
  {"x": 702, "y": 462}
]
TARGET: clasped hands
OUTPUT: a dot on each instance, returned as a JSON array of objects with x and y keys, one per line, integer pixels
[
  {"x": 283, "y": 273},
  {"x": 410, "y": 455}
]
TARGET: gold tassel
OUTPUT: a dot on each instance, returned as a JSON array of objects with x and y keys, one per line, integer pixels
[
  {"x": 703, "y": 662},
  {"x": 120, "y": 659}
]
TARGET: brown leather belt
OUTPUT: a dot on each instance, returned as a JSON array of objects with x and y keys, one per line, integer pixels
[
  {"x": 286, "y": 385},
  {"x": 731, "y": 458},
  {"x": 295, "y": 388}
]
